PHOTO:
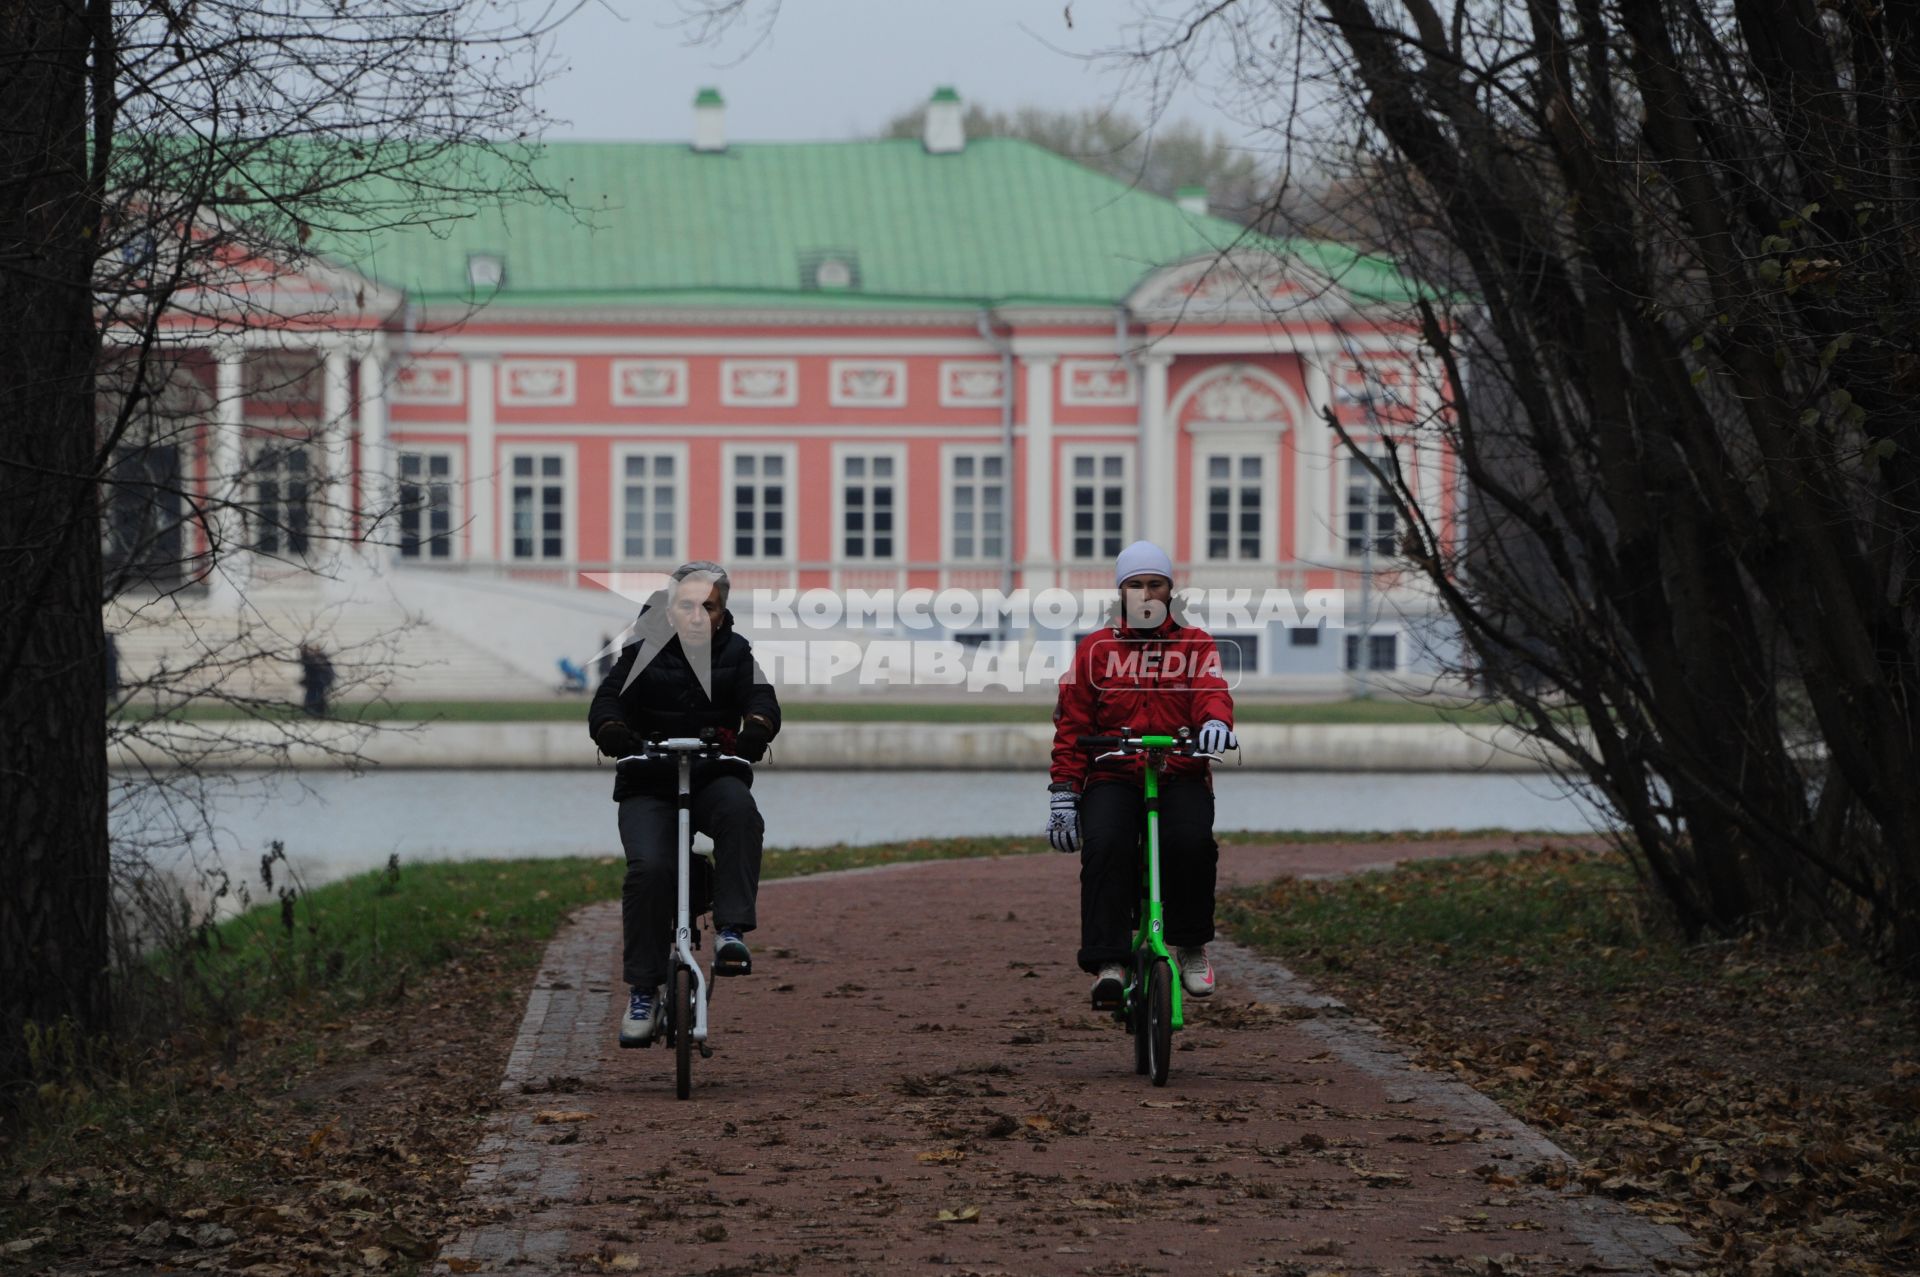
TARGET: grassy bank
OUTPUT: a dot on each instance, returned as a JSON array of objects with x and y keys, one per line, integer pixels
[
  {"x": 305, "y": 1086},
  {"x": 1768, "y": 1099},
  {"x": 1384, "y": 710}
]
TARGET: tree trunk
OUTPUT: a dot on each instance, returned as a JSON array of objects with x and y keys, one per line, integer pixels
[{"x": 53, "y": 774}]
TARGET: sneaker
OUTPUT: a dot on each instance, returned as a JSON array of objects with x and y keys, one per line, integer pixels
[
  {"x": 730, "y": 953},
  {"x": 1196, "y": 973},
  {"x": 1109, "y": 987},
  {"x": 642, "y": 1020}
]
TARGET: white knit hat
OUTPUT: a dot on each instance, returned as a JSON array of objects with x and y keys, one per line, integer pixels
[{"x": 1142, "y": 558}]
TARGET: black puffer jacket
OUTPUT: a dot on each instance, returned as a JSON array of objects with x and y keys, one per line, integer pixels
[{"x": 666, "y": 698}]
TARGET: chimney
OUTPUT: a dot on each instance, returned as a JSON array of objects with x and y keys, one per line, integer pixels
[
  {"x": 1192, "y": 199},
  {"x": 946, "y": 130},
  {"x": 709, "y": 121}
]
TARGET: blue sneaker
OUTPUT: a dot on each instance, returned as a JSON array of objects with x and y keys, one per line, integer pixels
[
  {"x": 730, "y": 953},
  {"x": 642, "y": 1019}
]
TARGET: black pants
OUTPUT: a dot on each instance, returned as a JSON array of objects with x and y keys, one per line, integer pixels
[
  {"x": 724, "y": 810},
  {"x": 1113, "y": 849}
]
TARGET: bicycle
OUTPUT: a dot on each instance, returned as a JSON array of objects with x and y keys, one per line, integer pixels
[
  {"x": 1151, "y": 1007},
  {"x": 685, "y": 1019}
]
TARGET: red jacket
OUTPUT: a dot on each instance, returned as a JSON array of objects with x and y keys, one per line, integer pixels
[{"x": 1153, "y": 683}]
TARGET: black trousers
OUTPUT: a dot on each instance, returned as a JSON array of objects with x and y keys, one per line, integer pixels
[
  {"x": 1113, "y": 849},
  {"x": 724, "y": 810}
]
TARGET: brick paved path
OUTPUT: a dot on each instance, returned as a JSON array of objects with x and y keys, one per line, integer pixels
[{"x": 916, "y": 1040}]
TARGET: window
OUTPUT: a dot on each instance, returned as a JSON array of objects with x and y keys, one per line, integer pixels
[
  {"x": 868, "y": 506},
  {"x": 976, "y": 510},
  {"x": 538, "y": 501},
  {"x": 650, "y": 506},
  {"x": 759, "y": 505},
  {"x": 426, "y": 505},
  {"x": 143, "y": 514},
  {"x": 1370, "y": 514},
  {"x": 1239, "y": 654},
  {"x": 1383, "y": 651},
  {"x": 282, "y": 487},
  {"x": 1303, "y": 636},
  {"x": 1234, "y": 503},
  {"x": 1097, "y": 500}
]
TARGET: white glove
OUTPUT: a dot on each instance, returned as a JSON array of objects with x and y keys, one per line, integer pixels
[
  {"x": 1216, "y": 737},
  {"x": 1063, "y": 821}
]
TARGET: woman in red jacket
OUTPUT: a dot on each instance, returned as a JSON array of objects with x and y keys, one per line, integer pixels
[{"x": 1150, "y": 674}]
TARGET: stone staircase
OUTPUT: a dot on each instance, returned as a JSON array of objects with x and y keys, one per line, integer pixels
[{"x": 378, "y": 648}]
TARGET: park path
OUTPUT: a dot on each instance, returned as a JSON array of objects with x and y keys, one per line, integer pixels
[{"x": 916, "y": 1041}]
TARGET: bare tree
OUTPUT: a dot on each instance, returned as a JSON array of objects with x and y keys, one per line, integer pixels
[
  {"x": 1674, "y": 314},
  {"x": 178, "y": 176}
]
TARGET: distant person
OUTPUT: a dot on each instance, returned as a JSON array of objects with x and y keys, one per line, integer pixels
[
  {"x": 316, "y": 678},
  {"x": 604, "y": 666},
  {"x": 113, "y": 666},
  {"x": 684, "y": 669},
  {"x": 1099, "y": 809}
]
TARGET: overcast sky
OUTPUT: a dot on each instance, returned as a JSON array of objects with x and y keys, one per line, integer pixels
[{"x": 830, "y": 69}]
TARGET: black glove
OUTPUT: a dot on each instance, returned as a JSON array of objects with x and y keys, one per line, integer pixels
[
  {"x": 751, "y": 744},
  {"x": 616, "y": 739}
]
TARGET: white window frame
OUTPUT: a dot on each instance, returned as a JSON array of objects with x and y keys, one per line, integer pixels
[
  {"x": 315, "y": 500},
  {"x": 617, "y": 500},
  {"x": 456, "y": 498},
  {"x": 947, "y": 508},
  {"x": 898, "y": 454},
  {"x": 791, "y": 502},
  {"x": 570, "y": 495},
  {"x": 1128, "y": 497},
  {"x": 1376, "y": 449},
  {"x": 1209, "y": 444}
]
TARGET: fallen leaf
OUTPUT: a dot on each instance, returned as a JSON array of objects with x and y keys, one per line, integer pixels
[
  {"x": 965, "y": 1215},
  {"x": 547, "y": 1117}
]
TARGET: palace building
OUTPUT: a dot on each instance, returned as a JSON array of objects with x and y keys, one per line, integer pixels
[{"x": 925, "y": 363}]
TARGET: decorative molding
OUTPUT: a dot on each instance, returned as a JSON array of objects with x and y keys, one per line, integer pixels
[
  {"x": 759, "y": 383},
  {"x": 1237, "y": 398},
  {"x": 536, "y": 383},
  {"x": 637, "y": 382},
  {"x": 1093, "y": 383},
  {"x": 972, "y": 383},
  {"x": 429, "y": 381},
  {"x": 1234, "y": 396},
  {"x": 867, "y": 383},
  {"x": 1244, "y": 285}
]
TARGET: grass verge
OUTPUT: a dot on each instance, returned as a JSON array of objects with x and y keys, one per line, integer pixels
[
  {"x": 1765, "y": 1098},
  {"x": 312, "y": 1078}
]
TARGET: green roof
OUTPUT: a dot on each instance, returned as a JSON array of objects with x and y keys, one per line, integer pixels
[{"x": 1001, "y": 221}]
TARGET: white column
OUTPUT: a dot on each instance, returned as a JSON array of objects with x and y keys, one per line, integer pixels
[
  {"x": 336, "y": 455},
  {"x": 374, "y": 487},
  {"x": 1313, "y": 528},
  {"x": 1159, "y": 458},
  {"x": 1041, "y": 551},
  {"x": 232, "y": 566},
  {"x": 482, "y": 468}
]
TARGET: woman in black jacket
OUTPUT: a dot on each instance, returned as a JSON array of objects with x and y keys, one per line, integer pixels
[{"x": 683, "y": 669}]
